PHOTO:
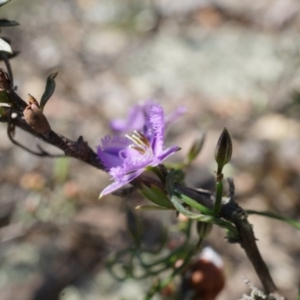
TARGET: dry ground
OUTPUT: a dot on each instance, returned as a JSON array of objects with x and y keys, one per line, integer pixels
[{"x": 232, "y": 64}]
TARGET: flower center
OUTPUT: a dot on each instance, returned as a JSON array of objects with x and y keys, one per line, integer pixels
[{"x": 140, "y": 142}]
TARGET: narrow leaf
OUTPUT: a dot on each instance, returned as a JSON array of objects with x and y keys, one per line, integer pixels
[
  {"x": 49, "y": 90},
  {"x": 3, "y": 2},
  {"x": 272, "y": 215},
  {"x": 163, "y": 198},
  {"x": 191, "y": 202},
  {"x": 203, "y": 218},
  {"x": 189, "y": 214},
  {"x": 151, "y": 207},
  {"x": 4, "y": 46},
  {"x": 7, "y": 23},
  {"x": 156, "y": 195}
]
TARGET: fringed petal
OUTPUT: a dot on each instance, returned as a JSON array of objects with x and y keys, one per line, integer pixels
[{"x": 109, "y": 151}]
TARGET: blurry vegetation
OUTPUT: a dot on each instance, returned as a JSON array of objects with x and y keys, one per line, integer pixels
[{"x": 232, "y": 64}]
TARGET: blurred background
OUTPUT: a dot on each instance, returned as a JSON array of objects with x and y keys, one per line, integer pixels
[{"x": 231, "y": 63}]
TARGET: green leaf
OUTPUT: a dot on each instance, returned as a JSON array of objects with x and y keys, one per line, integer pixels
[
  {"x": 156, "y": 195},
  {"x": 191, "y": 202},
  {"x": 170, "y": 183},
  {"x": 4, "y": 98},
  {"x": 268, "y": 214},
  {"x": 4, "y": 46},
  {"x": 3, "y": 2},
  {"x": 199, "y": 217},
  {"x": 151, "y": 207},
  {"x": 203, "y": 218},
  {"x": 49, "y": 90},
  {"x": 7, "y": 23}
]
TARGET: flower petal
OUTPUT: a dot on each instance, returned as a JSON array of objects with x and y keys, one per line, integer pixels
[
  {"x": 157, "y": 127},
  {"x": 120, "y": 181},
  {"x": 135, "y": 121},
  {"x": 112, "y": 150},
  {"x": 137, "y": 161},
  {"x": 167, "y": 152},
  {"x": 125, "y": 158},
  {"x": 111, "y": 188},
  {"x": 172, "y": 117}
]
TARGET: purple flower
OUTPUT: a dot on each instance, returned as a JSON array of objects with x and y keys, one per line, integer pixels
[
  {"x": 137, "y": 117},
  {"x": 125, "y": 158}
]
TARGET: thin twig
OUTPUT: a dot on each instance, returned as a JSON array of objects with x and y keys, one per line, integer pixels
[{"x": 42, "y": 152}]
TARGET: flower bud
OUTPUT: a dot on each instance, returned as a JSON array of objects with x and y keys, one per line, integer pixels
[
  {"x": 49, "y": 90},
  {"x": 196, "y": 148},
  {"x": 223, "y": 150},
  {"x": 35, "y": 118},
  {"x": 204, "y": 229}
]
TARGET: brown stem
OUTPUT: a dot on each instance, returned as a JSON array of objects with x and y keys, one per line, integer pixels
[
  {"x": 249, "y": 245},
  {"x": 79, "y": 149},
  {"x": 232, "y": 212}
]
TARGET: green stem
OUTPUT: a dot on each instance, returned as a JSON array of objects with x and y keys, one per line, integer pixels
[
  {"x": 219, "y": 194},
  {"x": 160, "y": 284},
  {"x": 220, "y": 169},
  {"x": 272, "y": 215}
]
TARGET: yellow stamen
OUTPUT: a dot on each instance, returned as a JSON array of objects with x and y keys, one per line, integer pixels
[
  {"x": 140, "y": 142},
  {"x": 139, "y": 149}
]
